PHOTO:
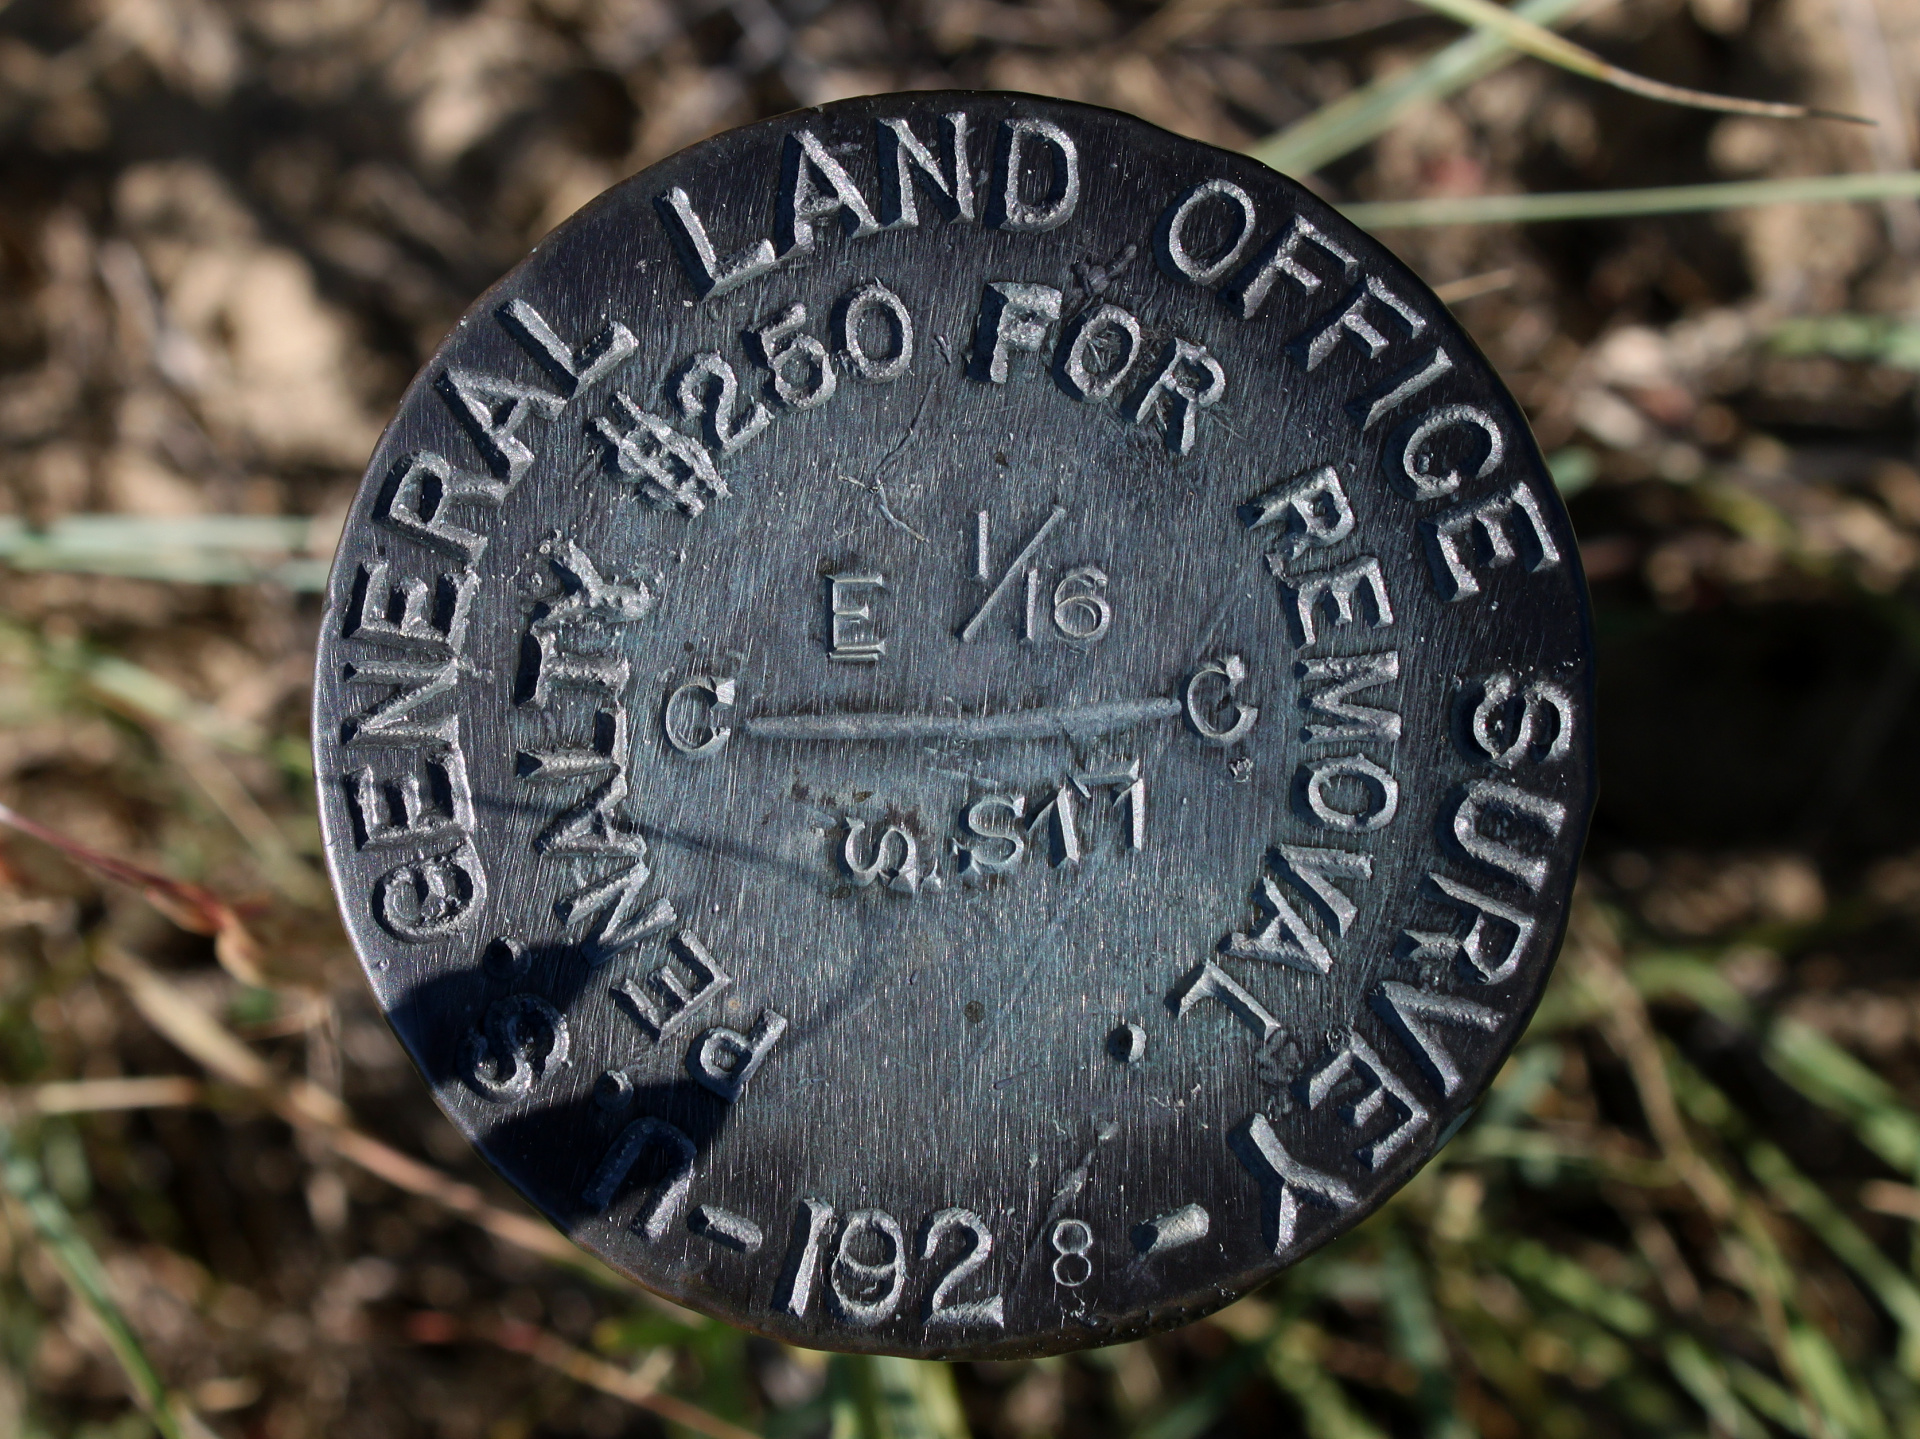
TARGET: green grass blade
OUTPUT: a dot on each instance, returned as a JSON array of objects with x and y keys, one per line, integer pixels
[
  {"x": 1578, "y": 1288},
  {"x": 185, "y": 549},
  {"x": 1414, "y": 1324},
  {"x": 1351, "y": 121},
  {"x": 1808, "y": 1203},
  {"x": 1876, "y": 339},
  {"x": 1702, "y": 1376},
  {"x": 881, "y": 1397},
  {"x": 1620, "y": 204},
  {"x": 1834, "y": 1079},
  {"x": 1848, "y": 1410},
  {"x": 1293, "y": 1359},
  {"x": 80, "y": 1267},
  {"x": 917, "y": 1399}
]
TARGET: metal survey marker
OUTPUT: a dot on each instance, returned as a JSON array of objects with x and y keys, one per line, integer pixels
[{"x": 952, "y": 725}]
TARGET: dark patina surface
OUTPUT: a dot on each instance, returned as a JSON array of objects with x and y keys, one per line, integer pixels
[{"x": 956, "y": 757}]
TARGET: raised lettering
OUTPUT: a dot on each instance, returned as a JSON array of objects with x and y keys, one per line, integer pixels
[
  {"x": 1372, "y": 408},
  {"x": 1013, "y": 316},
  {"x": 1451, "y": 551},
  {"x": 1208, "y": 980},
  {"x": 1352, "y": 322},
  {"x": 418, "y": 498},
  {"x": 710, "y": 392},
  {"x": 778, "y": 345},
  {"x": 1474, "y": 950},
  {"x": 670, "y": 470},
  {"x": 1005, "y": 582},
  {"x": 1411, "y": 1013},
  {"x": 429, "y": 803},
  {"x": 1170, "y": 235},
  {"x": 1284, "y": 255},
  {"x": 852, "y": 636},
  {"x": 814, "y": 185},
  {"x": 1287, "y": 938},
  {"x": 1188, "y": 1224},
  {"x": 521, "y": 1043},
  {"x": 941, "y": 1311},
  {"x": 1313, "y": 870},
  {"x": 1371, "y": 794},
  {"x": 903, "y": 161},
  {"x": 996, "y": 820},
  {"x": 811, "y": 1227},
  {"x": 1312, "y": 509},
  {"x": 1099, "y": 349},
  {"x": 572, "y": 369},
  {"x": 1284, "y": 1181},
  {"x": 669, "y": 1192},
  {"x": 679, "y": 728},
  {"x": 431, "y": 898},
  {"x": 1427, "y": 468},
  {"x": 1482, "y": 797},
  {"x": 411, "y": 614},
  {"x": 1129, "y": 792},
  {"x": 1072, "y": 1241},
  {"x": 1188, "y": 381},
  {"x": 1514, "y": 720},
  {"x": 723, "y": 1226},
  {"x": 710, "y": 274},
  {"x": 1081, "y": 610},
  {"x": 865, "y": 1292},
  {"x": 723, "y": 1060},
  {"x": 606, "y": 914},
  {"x": 873, "y": 301},
  {"x": 1062, "y": 813},
  {"x": 1327, "y": 688},
  {"x": 683, "y": 983},
  {"x": 895, "y": 858},
  {"x": 493, "y": 410},
  {"x": 393, "y": 720},
  {"x": 1353, "y": 1057},
  {"x": 1008, "y": 208},
  {"x": 1202, "y": 708},
  {"x": 1334, "y": 593}
]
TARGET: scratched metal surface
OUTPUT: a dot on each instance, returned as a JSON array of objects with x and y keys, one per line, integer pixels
[{"x": 894, "y": 867}]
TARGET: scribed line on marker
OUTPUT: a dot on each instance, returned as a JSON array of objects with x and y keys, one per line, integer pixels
[{"x": 1076, "y": 720}]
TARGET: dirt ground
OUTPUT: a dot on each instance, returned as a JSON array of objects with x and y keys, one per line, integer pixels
[{"x": 231, "y": 230}]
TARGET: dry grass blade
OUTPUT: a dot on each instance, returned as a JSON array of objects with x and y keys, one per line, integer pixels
[
  {"x": 1536, "y": 40},
  {"x": 1176, "y": 24},
  {"x": 308, "y": 1107},
  {"x": 1746, "y": 1244},
  {"x": 80, "y": 1267},
  {"x": 95, "y": 1096},
  {"x": 1471, "y": 287},
  {"x": 639, "y": 1387},
  {"x": 1621, "y": 204},
  {"x": 194, "y": 908},
  {"x": 1348, "y": 123}
]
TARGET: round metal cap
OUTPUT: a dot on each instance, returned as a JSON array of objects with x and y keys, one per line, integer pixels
[{"x": 952, "y": 725}]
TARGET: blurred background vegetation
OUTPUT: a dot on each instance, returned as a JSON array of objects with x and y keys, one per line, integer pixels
[{"x": 230, "y": 230}]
